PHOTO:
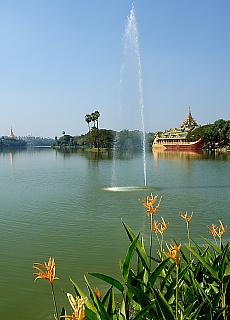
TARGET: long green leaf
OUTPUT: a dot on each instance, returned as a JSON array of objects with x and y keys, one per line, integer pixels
[
  {"x": 172, "y": 286},
  {"x": 128, "y": 259},
  {"x": 89, "y": 314},
  {"x": 106, "y": 296},
  {"x": 223, "y": 262},
  {"x": 140, "y": 248},
  {"x": 80, "y": 293},
  {"x": 97, "y": 302},
  {"x": 111, "y": 308},
  {"x": 188, "y": 310},
  {"x": 194, "y": 315},
  {"x": 215, "y": 248},
  {"x": 167, "y": 276},
  {"x": 115, "y": 283},
  {"x": 165, "y": 307},
  {"x": 143, "y": 312},
  {"x": 139, "y": 296},
  {"x": 155, "y": 274},
  {"x": 227, "y": 271},
  {"x": 205, "y": 264}
]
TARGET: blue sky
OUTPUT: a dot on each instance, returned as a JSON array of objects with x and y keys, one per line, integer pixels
[{"x": 61, "y": 59}]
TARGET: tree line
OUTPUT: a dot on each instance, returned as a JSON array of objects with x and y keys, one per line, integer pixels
[{"x": 216, "y": 135}]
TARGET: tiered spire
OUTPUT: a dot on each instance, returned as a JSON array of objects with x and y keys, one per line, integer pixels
[
  {"x": 11, "y": 134},
  {"x": 189, "y": 121}
]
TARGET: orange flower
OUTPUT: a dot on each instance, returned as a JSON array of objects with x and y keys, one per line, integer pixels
[
  {"x": 221, "y": 229},
  {"x": 213, "y": 230},
  {"x": 98, "y": 293},
  {"x": 186, "y": 216},
  {"x": 149, "y": 204},
  {"x": 162, "y": 226},
  {"x": 155, "y": 227},
  {"x": 77, "y": 306},
  {"x": 173, "y": 252},
  {"x": 49, "y": 273},
  {"x": 149, "y": 201}
]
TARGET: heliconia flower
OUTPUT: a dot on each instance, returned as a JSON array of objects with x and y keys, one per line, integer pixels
[
  {"x": 186, "y": 216},
  {"x": 173, "y": 252},
  {"x": 98, "y": 293},
  {"x": 213, "y": 230},
  {"x": 48, "y": 273},
  {"x": 221, "y": 229},
  {"x": 149, "y": 201},
  {"x": 155, "y": 227},
  {"x": 77, "y": 306},
  {"x": 162, "y": 226},
  {"x": 149, "y": 204}
]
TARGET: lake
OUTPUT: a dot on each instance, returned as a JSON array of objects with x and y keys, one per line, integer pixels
[{"x": 62, "y": 205}]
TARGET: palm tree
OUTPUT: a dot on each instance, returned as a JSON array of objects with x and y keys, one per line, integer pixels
[
  {"x": 88, "y": 119},
  {"x": 97, "y": 115},
  {"x": 93, "y": 117}
]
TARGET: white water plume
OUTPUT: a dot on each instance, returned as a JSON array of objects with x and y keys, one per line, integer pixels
[{"x": 131, "y": 50}]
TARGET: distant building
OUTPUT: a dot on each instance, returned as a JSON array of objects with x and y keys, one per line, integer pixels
[
  {"x": 11, "y": 135},
  {"x": 176, "y": 138}
]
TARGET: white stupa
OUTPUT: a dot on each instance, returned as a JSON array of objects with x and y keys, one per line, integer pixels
[{"x": 11, "y": 135}]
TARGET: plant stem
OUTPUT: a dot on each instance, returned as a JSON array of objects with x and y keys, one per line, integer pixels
[
  {"x": 54, "y": 300},
  {"x": 177, "y": 271},
  {"x": 223, "y": 301},
  {"x": 189, "y": 243},
  {"x": 161, "y": 246},
  {"x": 151, "y": 240}
]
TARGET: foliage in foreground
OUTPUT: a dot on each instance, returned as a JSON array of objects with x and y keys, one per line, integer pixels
[{"x": 183, "y": 282}]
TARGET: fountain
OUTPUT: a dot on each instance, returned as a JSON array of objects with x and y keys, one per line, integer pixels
[{"x": 131, "y": 48}]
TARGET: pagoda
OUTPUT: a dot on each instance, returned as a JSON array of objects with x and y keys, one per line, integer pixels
[
  {"x": 176, "y": 138},
  {"x": 11, "y": 135}
]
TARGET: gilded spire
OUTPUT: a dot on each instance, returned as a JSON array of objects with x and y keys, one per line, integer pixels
[{"x": 189, "y": 121}]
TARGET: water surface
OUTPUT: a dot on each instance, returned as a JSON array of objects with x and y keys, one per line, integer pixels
[{"x": 63, "y": 205}]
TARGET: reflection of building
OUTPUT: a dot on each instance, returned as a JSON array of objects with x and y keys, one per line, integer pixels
[
  {"x": 11, "y": 135},
  {"x": 179, "y": 155},
  {"x": 176, "y": 138}
]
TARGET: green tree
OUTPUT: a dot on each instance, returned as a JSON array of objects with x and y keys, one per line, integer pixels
[
  {"x": 88, "y": 119},
  {"x": 96, "y": 116}
]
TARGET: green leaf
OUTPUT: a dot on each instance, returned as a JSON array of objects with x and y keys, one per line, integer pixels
[
  {"x": 168, "y": 275},
  {"x": 80, "y": 293},
  {"x": 223, "y": 262},
  {"x": 155, "y": 274},
  {"x": 188, "y": 310},
  {"x": 106, "y": 296},
  {"x": 89, "y": 314},
  {"x": 227, "y": 271},
  {"x": 128, "y": 259},
  {"x": 172, "y": 286},
  {"x": 165, "y": 307},
  {"x": 115, "y": 283},
  {"x": 215, "y": 248},
  {"x": 143, "y": 312},
  {"x": 205, "y": 264},
  {"x": 194, "y": 315},
  {"x": 140, "y": 248},
  {"x": 97, "y": 302},
  {"x": 139, "y": 296},
  {"x": 111, "y": 308}
]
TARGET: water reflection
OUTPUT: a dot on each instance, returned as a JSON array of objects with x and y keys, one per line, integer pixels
[
  {"x": 190, "y": 155},
  {"x": 177, "y": 155},
  {"x": 101, "y": 155}
]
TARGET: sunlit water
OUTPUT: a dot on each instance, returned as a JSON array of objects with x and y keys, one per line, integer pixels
[{"x": 63, "y": 205}]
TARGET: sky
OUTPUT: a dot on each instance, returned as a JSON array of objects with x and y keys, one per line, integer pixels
[{"x": 63, "y": 59}]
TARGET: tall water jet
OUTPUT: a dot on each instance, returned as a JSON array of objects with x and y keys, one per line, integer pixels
[{"x": 131, "y": 50}]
